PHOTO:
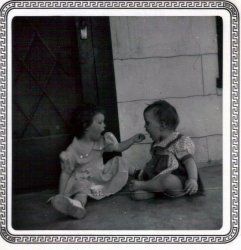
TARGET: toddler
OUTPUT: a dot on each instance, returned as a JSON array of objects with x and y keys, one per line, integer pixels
[
  {"x": 83, "y": 172},
  {"x": 172, "y": 169}
]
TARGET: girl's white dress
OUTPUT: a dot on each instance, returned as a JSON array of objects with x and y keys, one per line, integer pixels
[{"x": 87, "y": 171}]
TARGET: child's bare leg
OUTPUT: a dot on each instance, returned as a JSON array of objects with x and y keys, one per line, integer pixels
[
  {"x": 82, "y": 198},
  {"x": 173, "y": 186},
  {"x": 169, "y": 184},
  {"x": 142, "y": 195}
]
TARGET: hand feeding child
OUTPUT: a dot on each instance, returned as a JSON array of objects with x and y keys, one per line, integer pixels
[
  {"x": 83, "y": 173},
  {"x": 172, "y": 169}
]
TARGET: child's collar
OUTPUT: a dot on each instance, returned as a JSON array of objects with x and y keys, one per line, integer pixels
[
  {"x": 98, "y": 145},
  {"x": 173, "y": 136}
]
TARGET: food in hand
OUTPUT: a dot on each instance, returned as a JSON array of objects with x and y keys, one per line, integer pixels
[{"x": 141, "y": 137}]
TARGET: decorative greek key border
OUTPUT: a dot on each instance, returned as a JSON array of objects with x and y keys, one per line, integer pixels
[{"x": 234, "y": 14}]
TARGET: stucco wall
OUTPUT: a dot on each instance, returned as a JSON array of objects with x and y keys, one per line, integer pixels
[{"x": 171, "y": 58}]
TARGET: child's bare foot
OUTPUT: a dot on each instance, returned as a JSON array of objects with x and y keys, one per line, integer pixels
[
  {"x": 135, "y": 185},
  {"x": 68, "y": 206},
  {"x": 142, "y": 195}
]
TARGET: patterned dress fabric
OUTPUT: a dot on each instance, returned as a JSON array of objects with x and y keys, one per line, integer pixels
[
  {"x": 168, "y": 157},
  {"x": 88, "y": 171}
]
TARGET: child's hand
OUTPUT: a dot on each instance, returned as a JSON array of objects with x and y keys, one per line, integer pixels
[
  {"x": 191, "y": 186},
  {"x": 50, "y": 199},
  {"x": 97, "y": 190},
  {"x": 138, "y": 138}
]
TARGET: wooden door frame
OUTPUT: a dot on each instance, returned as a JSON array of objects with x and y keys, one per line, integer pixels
[
  {"x": 95, "y": 58},
  {"x": 35, "y": 161}
]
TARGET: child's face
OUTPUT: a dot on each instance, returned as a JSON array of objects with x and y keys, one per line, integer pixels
[
  {"x": 97, "y": 126},
  {"x": 152, "y": 126}
]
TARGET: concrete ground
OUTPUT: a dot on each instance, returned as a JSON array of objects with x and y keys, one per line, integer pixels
[{"x": 119, "y": 212}]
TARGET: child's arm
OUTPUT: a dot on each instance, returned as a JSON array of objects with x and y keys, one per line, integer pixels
[
  {"x": 67, "y": 167},
  {"x": 124, "y": 145},
  {"x": 64, "y": 177},
  {"x": 191, "y": 185}
]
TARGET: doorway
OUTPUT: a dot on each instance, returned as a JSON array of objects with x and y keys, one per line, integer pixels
[{"x": 54, "y": 70}]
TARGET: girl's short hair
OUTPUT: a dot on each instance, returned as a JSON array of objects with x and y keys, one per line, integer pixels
[
  {"x": 82, "y": 118},
  {"x": 164, "y": 112}
]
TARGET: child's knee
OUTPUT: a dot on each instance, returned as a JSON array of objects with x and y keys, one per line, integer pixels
[
  {"x": 171, "y": 181},
  {"x": 172, "y": 185},
  {"x": 142, "y": 195}
]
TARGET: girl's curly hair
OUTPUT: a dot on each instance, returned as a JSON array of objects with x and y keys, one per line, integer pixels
[{"x": 82, "y": 118}]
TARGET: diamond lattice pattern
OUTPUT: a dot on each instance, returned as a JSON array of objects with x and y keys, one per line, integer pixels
[{"x": 46, "y": 84}]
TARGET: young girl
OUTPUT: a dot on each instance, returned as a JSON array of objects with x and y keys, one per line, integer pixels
[
  {"x": 172, "y": 169},
  {"x": 83, "y": 172}
]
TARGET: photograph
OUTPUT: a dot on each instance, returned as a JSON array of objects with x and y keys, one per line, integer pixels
[{"x": 120, "y": 122}]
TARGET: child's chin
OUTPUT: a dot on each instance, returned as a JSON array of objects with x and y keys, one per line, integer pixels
[{"x": 97, "y": 137}]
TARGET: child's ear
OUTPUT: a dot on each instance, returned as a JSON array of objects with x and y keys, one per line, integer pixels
[{"x": 163, "y": 125}]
